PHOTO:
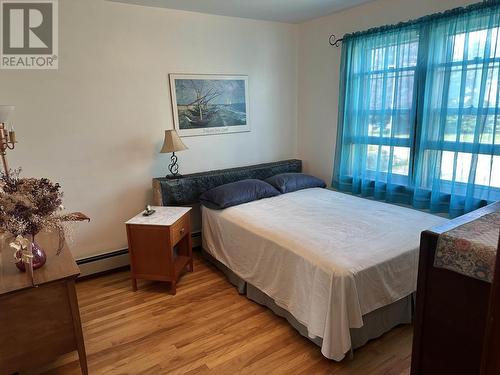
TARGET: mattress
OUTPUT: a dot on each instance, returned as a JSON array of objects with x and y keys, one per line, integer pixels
[{"x": 328, "y": 258}]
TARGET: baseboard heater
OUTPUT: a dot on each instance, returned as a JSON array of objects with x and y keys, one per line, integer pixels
[{"x": 114, "y": 260}]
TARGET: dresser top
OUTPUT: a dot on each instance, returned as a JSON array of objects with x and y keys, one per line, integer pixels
[
  {"x": 164, "y": 216},
  {"x": 59, "y": 266}
]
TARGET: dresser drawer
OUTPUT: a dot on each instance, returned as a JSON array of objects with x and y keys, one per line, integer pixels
[{"x": 179, "y": 229}]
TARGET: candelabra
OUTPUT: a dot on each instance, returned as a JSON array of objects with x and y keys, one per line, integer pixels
[
  {"x": 7, "y": 137},
  {"x": 7, "y": 142}
]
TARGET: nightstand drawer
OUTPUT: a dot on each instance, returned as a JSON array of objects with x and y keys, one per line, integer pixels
[{"x": 179, "y": 229}]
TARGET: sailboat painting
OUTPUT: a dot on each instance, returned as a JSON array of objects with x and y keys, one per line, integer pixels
[{"x": 206, "y": 104}]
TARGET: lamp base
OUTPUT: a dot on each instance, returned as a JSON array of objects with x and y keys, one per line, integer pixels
[{"x": 173, "y": 167}]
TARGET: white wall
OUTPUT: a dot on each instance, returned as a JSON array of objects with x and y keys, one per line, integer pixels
[
  {"x": 319, "y": 66},
  {"x": 96, "y": 124}
]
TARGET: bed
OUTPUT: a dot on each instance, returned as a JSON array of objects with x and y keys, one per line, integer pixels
[
  {"x": 327, "y": 258},
  {"x": 341, "y": 269}
]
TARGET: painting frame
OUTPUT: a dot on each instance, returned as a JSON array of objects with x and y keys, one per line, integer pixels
[{"x": 189, "y": 125}]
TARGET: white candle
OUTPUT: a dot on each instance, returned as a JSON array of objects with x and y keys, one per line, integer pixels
[{"x": 12, "y": 134}]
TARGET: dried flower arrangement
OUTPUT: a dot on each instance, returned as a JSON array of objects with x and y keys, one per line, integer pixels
[{"x": 28, "y": 205}]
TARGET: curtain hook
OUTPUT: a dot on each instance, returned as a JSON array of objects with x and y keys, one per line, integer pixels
[{"x": 334, "y": 41}]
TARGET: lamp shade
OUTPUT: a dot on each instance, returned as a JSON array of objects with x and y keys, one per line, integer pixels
[
  {"x": 172, "y": 142},
  {"x": 5, "y": 112}
]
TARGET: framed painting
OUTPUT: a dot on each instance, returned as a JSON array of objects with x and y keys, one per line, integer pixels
[{"x": 205, "y": 104}]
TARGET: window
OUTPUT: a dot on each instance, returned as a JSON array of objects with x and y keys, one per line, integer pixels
[
  {"x": 391, "y": 79},
  {"x": 419, "y": 119},
  {"x": 384, "y": 77},
  {"x": 468, "y": 108}
]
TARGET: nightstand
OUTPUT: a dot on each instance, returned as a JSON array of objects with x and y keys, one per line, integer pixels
[{"x": 160, "y": 245}]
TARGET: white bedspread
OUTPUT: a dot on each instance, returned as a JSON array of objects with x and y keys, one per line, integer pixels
[{"x": 326, "y": 257}]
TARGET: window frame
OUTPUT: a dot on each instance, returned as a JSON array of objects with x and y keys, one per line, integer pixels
[
  {"x": 458, "y": 146},
  {"x": 391, "y": 141},
  {"x": 413, "y": 141}
]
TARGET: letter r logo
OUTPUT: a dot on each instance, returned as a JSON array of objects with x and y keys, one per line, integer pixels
[{"x": 27, "y": 27}]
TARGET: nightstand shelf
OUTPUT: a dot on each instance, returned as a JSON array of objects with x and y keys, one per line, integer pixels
[
  {"x": 160, "y": 245},
  {"x": 180, "y": 263}
]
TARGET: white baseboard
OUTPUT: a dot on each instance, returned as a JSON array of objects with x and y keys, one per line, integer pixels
[
  {"x": 103, "y": 263},
  {"x": 114, "y": 260}
]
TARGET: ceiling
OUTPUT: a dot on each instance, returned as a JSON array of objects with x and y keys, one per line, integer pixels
[{"x": 293, "y": 11}]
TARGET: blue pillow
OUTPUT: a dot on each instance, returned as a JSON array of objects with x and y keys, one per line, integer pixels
[
  {"x": 288, "y": 182},
  {"x": 235, "y": 193}
]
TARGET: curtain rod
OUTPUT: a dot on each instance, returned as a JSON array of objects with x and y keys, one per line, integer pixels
[{"x": 447, "y": 13}]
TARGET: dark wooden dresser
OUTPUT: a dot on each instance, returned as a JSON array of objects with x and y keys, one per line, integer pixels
[
  {"x": 491, "y": 359},
  {"x": 453, "y": 309},
  {"x": 38, "y": 324}
]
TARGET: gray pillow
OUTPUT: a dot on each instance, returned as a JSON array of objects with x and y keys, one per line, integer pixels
[
  {"x": 238, "y": 192},
  {"x": 288, "y": 182}
]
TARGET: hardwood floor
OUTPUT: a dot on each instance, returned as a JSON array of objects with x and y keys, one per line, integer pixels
[{"x": 207, "y": 328}]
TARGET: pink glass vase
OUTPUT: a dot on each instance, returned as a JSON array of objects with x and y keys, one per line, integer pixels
[{"x": 39, "y": 257}]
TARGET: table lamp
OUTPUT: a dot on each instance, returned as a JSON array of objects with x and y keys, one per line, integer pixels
[
  {"x": 7, "y": 137},
  {"x": 172, "y": 143}
]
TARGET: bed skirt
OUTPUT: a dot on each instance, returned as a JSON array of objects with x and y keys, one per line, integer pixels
[{"x": 376, "y": 323}]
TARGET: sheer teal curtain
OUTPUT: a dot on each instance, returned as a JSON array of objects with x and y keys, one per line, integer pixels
[
  {"x": 458, "y": 163},
  {"x": 419, "y": 112},
  {"x": 375, "y": 144}
]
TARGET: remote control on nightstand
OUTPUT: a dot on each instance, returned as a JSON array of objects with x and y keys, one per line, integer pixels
[{"x": 149, "y": 211}]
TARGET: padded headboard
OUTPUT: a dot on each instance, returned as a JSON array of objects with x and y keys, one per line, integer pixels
[{"x": 187, "y": 189}]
